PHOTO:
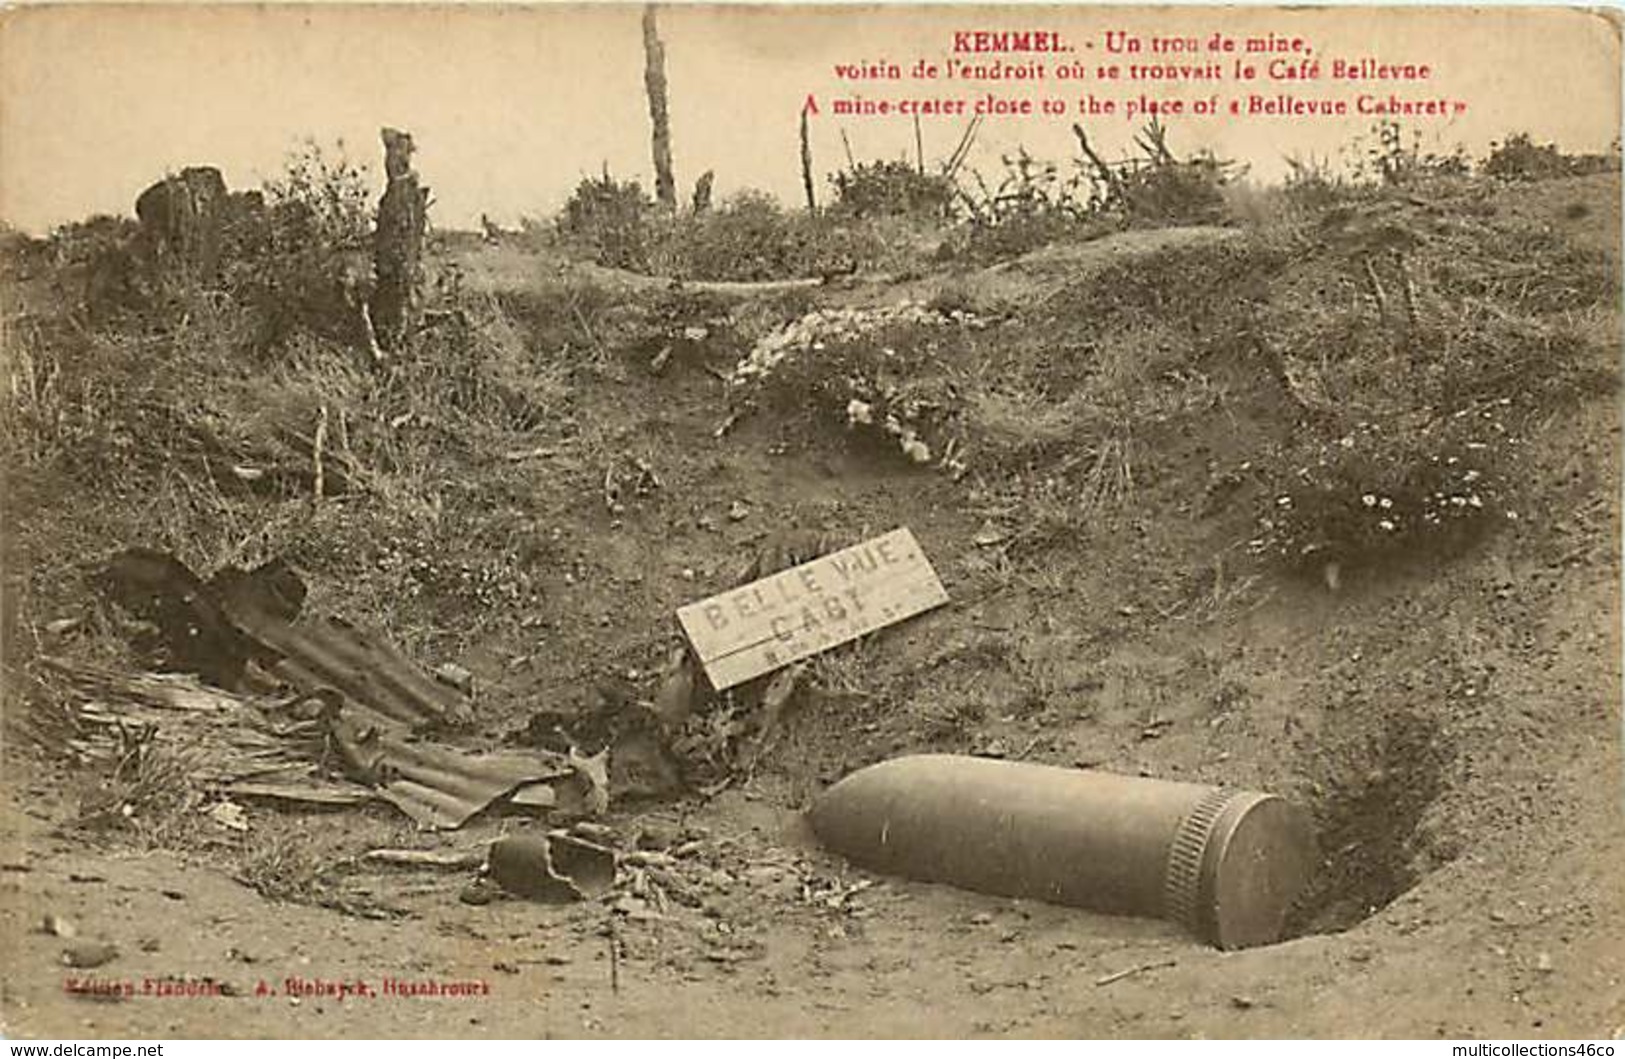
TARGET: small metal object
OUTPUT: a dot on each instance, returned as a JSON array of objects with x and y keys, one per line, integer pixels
[
  {"x": 1226, "y": 864},
  {"x": 554, "y": 867}
]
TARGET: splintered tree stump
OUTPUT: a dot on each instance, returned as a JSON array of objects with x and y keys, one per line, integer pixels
[
  {"x": 397, "y": 300},
  {"x": 182, "y": 217},
  {"x": 702, "y": 192}
]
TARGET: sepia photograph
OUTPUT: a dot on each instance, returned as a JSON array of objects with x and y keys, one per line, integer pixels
[{"x": 864, "y": 521}]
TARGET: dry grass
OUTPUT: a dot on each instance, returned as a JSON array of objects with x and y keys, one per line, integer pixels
[
  {"x": 283, "y": 864},
  {"x": 195, "y": 440},
  {"x": 847, "y": 670},
  {"x": 1012, "y": 425},
  {"x": 1108, "y": 480},
  {"x": 144, "y": 787},
  {"x": 285, "y": 858}
]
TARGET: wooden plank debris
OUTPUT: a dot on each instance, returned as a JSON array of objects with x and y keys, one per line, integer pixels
[
  {"x": 1129, "y": 972},
  {"x": 427, "y": 858},
  {"x": 791, "y": 615}
]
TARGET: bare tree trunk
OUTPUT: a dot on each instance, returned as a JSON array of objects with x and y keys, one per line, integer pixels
[
  {"x": 919, "y": 148},
  {"x": 397, "y": 251},
  {"x": 806, "y": 165},
  {"x": 654, "y": 81}
]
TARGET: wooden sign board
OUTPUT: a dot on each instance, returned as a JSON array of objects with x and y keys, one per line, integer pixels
[{"x": 767, "y": 624}]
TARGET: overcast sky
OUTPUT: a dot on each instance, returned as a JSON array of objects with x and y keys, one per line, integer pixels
[{"x": 510, "y": 106}]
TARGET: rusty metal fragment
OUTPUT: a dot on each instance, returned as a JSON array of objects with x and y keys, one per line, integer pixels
[
  {"x": 555, "y": 866},
  {"x": 250, "y": 748},
  {"x": 365, "y": 668},
  {"x": 437, "y": 786}
]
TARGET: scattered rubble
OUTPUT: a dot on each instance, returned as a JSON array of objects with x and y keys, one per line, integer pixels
[
  {"x": 87, "y": 954},
  {"x": 228, "y": 815},
  {"x": 59, "y": 926}
]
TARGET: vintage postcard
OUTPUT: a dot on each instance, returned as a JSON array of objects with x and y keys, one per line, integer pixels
[{"x": 793, "y": 521}]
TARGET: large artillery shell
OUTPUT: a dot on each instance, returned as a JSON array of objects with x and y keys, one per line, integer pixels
[{"x": 1227, "y": 864}]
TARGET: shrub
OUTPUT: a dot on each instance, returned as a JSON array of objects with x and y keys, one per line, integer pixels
[
  {"x": 1031, "y": 206},
  {"x": 102, "y": 250},
  {"x": 301, "y": 253},
  {"x": 1168, "y": 193},
  {"x": 1411, "y": 488},
  {"x": 1384, "y": 157},
  {"x": 1030, "y": 189},
  {"x": 611, "y": 218},
  {"x": 80, "y": 242},
  {"x": 892, "y": 189},
  {"x": 1520, "y": 158},
  {"x": 1036, "y": 204},
  {"x": 1311, "y": 184},
  {"x": 1414, "y": 404},
  {"x": 749, "y": 237},
  {"x": 1158, "y": 188},
  {"x": 322, "y": 196}
]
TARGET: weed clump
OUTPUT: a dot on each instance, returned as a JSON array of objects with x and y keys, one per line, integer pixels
[
  {"x": 1386, "y": 157},
  {"x": 301, "y": 252},
  {"x": 750, "y": 237},
  {"x": 747, "y": 238},
  {"x": 1414, "y": 400},
  {"x": 1036, "y": 203},
  {"x": 1032, "y": 205},
  {"x": 1375, "y": 495},
  {"x": 610, "y": 219}
]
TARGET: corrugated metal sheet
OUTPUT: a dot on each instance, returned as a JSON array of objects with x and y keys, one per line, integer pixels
[
  {"x": 374, "y": 703},
  {"x": 218, "y": 627},
  {"x": 438, "y": 786},
  {"x": 246, "y": 747},
  {"x": 332, "y": 653}
]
